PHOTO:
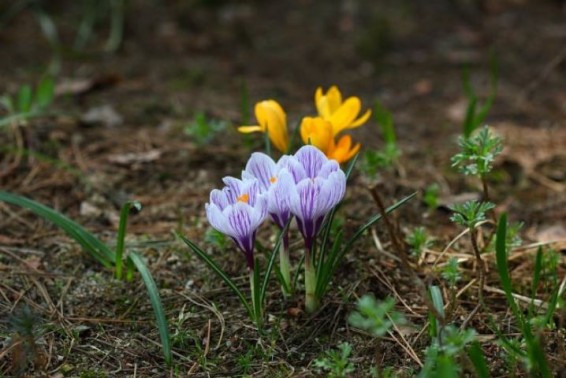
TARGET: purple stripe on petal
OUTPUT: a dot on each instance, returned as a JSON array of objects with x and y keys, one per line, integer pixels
[
  {"x": 312, "y": 160},
  {"x": 262, "y": 167}
]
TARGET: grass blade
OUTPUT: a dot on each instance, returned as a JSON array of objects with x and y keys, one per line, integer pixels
[
  {"x": 96, "y": 248},
  {"x": 376, "y": 218},
  {"x": 212, "y": 265},
  {"x": 124, "y": 213},
  {"x": 476, "y": 356},
  {"x": 502, "y": 267},
  {"x": 271, "y": 262},
  {"x": 155, "y": 304}
]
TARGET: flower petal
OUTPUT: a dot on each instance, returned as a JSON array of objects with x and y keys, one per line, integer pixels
[
  {"x": 343, "y": 151},
  {"x": 272, "y": 119},
  {"x": 279, "y": 198},
  {"x": 316, "y": 131},
  {"x": 261, "y": 167},
  {"x": 219, "y": 198},
  {"x": 217, "y": 219},
  {"x": 360, "y": 121},
  {"x": 293, "y": 166},
  {"x": 331, "y": 193},
  {"x": 312, "y": 159},
  {"x": 343, "y": 117},
  {"x": 249, "y": 129}
]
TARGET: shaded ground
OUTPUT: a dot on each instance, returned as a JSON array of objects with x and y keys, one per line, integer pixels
[{"x": 179, "y": 59}]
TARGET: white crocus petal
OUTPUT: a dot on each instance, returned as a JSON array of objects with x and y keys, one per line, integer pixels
[
  {"x": 218, "y": 197},
  {"x": 331, "y": 193},
  {"x": 312, "y": 160},
  {"x": 217, "y": 219},
  {"x": 279, "y": 197},
  {"x": 291, "y": 164},
  {"x": 328, "y": 167},
  {"x": 261, "y": 167}
]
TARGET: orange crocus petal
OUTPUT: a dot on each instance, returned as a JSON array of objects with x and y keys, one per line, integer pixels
[
  {"x": 342, "y": 118},
  {"x": 334, "y": 98},
  {"x": 317, "y": 132},
  {"x": 343, "y": 151},
  {"x": 272, "y": 119}
]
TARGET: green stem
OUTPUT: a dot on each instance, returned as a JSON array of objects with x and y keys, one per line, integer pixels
[
  {"x": 254, "y": 290},
  {"x": 312, "y": 303},
  {"x": 285, "y": 268},
  {"x": 124, "y": 213}
]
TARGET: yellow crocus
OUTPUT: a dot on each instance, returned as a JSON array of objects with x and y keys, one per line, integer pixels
[
  {"x": 273, "y": 120},
  {"x": 341, "y": 114},
  {"x": 343, "y": 150},
  {"x": 318, "y": 132}
]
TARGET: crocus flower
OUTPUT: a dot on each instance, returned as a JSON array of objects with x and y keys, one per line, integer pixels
[
  {"x": 272, "y": 120},
  {"x": 341, "y": 114},
  {"x": 237, "y": 211},
  {"x": 320, "y": 185},
  {"x": 318, "y": 132},
  {"x": 277, "y": 183}
]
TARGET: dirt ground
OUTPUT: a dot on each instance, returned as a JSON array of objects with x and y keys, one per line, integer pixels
[{"x": 179, "y": 58}]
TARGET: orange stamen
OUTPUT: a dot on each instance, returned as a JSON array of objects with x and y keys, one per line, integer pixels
[
  {"x": 244, "y": 198},
  {"x": 273, "y": 180}
]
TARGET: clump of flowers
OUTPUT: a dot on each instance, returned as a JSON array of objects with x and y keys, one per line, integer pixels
[
  {"x": 306, "y": 186},
  {"x": 322, "y": 131}
]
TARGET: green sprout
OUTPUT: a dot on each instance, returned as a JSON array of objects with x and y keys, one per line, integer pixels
[
  {"x": 203, "y": 130},
  {"x": 336, "y": 362},
  {"x": 418, "y": 241},
  {"x": 476, "y": 113},
  {"x": 376, "y": 317},
  {"x": 430, "y": 196},
  {"x": 27, "y": 103},
  {"x": 374, "y": 160},
  {"x": 477, "y": 153},
  {"x": 451, "y": 272},
  {"x": 469, "y": 214},
  {"x": 441, "y": 358}
]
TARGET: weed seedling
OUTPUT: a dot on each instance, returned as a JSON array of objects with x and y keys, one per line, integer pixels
[
  {"x": 418, "y": 241},
  {"x": 336, "y": 363},
  {"x": 203, "y": 130}
]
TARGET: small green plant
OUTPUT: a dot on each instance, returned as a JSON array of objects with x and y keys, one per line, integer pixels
[
  {"x": 376, "y": 317},
  {"x": 531, "y": 351},
  {"x": 477, "y": 153},
  {"x": 448, "y": 344},
  {"x": 28, "y": 103},
  {"x": 471, "y": 213},
  {"x": 26, "y": 328},
  {"x": 418, "y": 241},
  {"x": 374, "y": 160},
  {"x": 442, "y": 356},
  {"x": 476, "y": 113},
  {"x": 336, "y": 363},
  {"x": 203, "y": 130},
  {"x": 451, "y": 272},
  {"x": 430, "y": 196}
]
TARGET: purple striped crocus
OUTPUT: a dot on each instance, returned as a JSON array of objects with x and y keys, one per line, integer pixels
[
  {"x": 278, "y": 184},
  {"x": 237, "y": 211},
  {"x": 320, "y": 185}
]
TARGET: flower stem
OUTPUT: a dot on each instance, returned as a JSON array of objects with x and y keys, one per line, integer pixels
[
  {"x": 285, "y": 266},
  {"x": 312, "y": 303},
  {"x": 254, "y": 290}
]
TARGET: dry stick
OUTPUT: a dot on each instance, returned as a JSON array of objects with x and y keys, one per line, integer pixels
[{"x": 401, "y": 253}]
